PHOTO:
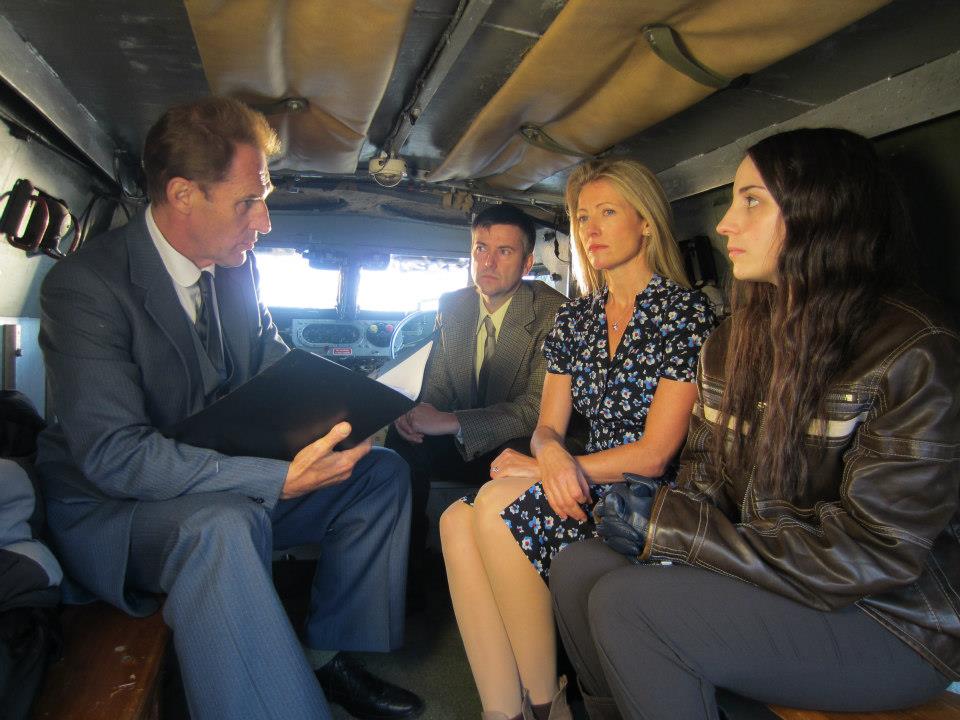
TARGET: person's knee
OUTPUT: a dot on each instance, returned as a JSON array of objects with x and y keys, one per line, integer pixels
[
  {"x": 492, "y": 498},
  {"x": 621, "y": 594},
  {"x": 388, "y": 464},
  {"x": 226, "y": 525},
  {"x": 387, "y": 471},
  {"x": 456, "y": 526}
]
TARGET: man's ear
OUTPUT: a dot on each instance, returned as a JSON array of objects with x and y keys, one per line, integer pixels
[
  {"x": 527, "y": 264},
  {"x": 181, "y": 194}
]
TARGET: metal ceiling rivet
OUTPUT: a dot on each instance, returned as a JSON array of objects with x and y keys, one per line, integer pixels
[
  {"x": 295, "y": 104},
  {"x": 536, "y": 136},
  {"x": 285, "y": 105}
]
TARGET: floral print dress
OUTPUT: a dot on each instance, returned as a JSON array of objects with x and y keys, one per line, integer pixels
[{"x": 661, "y": 340}]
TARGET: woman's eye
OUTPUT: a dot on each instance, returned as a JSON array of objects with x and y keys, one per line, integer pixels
[
  {"x": 581, "y": 219},
  {"x": 751, "y": 201},
  {"x": 609, "y": 211}
]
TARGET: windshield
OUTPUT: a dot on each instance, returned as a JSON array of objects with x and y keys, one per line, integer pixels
[
  {"x": 287, "y": 280},
  {"x": 410, "y": 283}
]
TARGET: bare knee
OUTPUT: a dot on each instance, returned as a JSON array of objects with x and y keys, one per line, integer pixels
[
  {"x": 491, "y": 501},
  {"x": 456, "y": 526}
]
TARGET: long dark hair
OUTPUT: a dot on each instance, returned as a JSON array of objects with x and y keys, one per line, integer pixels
[{"x": 846, "y": 232}]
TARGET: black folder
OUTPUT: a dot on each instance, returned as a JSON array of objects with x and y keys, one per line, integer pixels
[{"x": 293, "y": 402}]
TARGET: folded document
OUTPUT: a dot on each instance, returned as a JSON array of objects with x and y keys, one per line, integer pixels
[{"x": 293, "y": 402}]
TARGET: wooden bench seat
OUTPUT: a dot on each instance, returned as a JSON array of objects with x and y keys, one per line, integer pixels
[
  {"x": 110, "y": 667},
  {"x": 944, "y": 707}
]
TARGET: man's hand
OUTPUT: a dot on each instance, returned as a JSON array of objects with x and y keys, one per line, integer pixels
[
  {"x": 511, "y": 463},
  {"x": 623, "y": 515},
  {"x": 564, "y": 484},
  {"x": 318, "y": 464},
  {"x": 405, "y": 429},
  {"x": 425, "y": 419}
]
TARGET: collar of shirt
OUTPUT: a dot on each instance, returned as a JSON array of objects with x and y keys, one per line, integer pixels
[{"x": 181, "y": 269}]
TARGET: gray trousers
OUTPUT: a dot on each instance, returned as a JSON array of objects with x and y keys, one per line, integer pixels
[
  {"x": 660, "y": 639},
  {"x": 211, "y": 553}
]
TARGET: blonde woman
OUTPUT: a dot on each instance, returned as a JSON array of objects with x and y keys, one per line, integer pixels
[{"x": 624, "y": 355}]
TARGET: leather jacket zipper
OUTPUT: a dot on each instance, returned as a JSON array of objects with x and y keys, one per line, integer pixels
[{"x": 743, "y": 503}]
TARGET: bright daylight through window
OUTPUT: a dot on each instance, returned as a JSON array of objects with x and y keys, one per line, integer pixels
[
  {"x": 405, "y": 285},
  {"x": 410, "y": 283},
  {"x": 287, "y": 280}
]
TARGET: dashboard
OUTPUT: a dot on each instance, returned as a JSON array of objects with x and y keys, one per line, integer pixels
[{"x": 345, "y": 340}]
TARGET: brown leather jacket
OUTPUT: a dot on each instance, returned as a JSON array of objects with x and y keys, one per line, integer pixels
[{"x": 878, "y": 524}]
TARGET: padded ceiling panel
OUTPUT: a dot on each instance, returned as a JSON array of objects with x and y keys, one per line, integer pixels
[
  {"x": 622, "y": 87},
  {"x": 338, "y": 54}
]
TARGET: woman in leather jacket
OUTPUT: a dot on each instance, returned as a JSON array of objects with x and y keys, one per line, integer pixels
[{"x": 808, "y": 555}]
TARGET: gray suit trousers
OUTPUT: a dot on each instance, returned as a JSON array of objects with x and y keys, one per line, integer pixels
[{"x": 211, "y": 554}]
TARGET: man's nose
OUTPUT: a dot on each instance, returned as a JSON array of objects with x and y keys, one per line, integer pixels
[{"x": 261, "y": 219}]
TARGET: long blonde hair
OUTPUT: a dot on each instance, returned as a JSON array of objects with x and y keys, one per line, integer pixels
[{"x": 640, "y": 188}]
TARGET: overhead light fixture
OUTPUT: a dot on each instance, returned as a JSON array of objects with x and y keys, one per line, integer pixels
[{"x": 388, "y": 171}]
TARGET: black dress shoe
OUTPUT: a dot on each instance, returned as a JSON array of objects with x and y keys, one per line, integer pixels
[{"x": 346, "y": 682}]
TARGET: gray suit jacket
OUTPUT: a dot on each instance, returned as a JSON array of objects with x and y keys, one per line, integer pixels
[
  {"x": 516, "y": 376},
  {"x": 123, "y": 360}
]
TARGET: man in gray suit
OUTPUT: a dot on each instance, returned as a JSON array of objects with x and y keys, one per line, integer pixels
[
  {"x": 483, "y": 379},
  {"x": 136, "y": 337}
]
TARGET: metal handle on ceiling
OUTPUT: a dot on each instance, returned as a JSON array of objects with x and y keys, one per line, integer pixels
[{"x": 668, "y": 46}]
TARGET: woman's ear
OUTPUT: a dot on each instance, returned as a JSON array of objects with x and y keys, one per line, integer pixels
[{"x": 646, "y": 230}]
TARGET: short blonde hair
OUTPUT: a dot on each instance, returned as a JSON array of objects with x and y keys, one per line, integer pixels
[{"x": 641, "y": 189}]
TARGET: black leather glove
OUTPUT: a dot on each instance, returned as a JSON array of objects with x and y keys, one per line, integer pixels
[{"x": 623, "y": 514}]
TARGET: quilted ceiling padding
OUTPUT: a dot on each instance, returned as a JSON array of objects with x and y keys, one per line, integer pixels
[
  {"x": 338, "y": 54},
  {"x": 620, "y": 86}
]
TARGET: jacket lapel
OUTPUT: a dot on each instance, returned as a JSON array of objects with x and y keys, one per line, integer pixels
[
  {"x": 460, "y": 337},
  {"x": 160, "y": 301},
  {"x": 513, "y": 345},
  {"x": 230, "y": 284}
]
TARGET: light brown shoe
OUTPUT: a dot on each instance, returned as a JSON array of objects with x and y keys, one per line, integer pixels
[
  {"x": 559, "y": 710},
  {"x": 496, "y": 715}
]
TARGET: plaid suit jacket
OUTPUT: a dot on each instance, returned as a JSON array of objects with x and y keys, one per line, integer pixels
[{"x": 516, "y": 376}]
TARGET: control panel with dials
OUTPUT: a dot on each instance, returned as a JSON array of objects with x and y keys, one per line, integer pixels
[{"x": 343, "y": 339}]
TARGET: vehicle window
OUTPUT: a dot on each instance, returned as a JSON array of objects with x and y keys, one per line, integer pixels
[
  {"x": 410, "y": 283},
  {"x": 287, "y": 280}
]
